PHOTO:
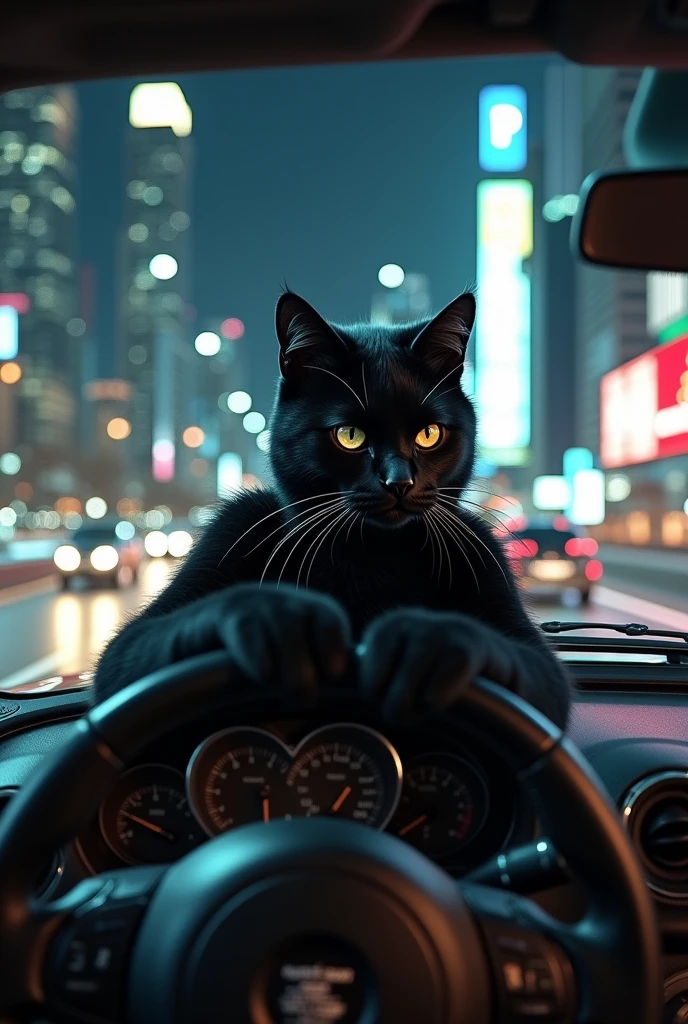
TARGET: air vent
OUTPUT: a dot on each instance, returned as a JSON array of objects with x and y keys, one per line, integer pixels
[
  {"x": 655, "y": 812},
  {"x": 48, "y": 878}
]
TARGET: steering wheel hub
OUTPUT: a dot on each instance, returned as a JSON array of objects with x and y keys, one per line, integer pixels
[{"x": 308, "y": 920}]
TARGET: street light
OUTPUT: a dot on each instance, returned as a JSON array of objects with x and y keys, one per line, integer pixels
[
  {"x": 239, "y": 401},
  {"x": 208, "y": 343},
  {"x": 391, "y": 275},
  {"x": 118, "y": 428},
  {"x": 254, "y": 422},
  {"x": 193, "y": 437},
  {"x": 163, "y": 267}
]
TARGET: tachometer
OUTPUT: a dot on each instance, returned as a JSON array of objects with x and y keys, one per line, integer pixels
[
  {"x": 146, "y": 819},
  {"x": 238, "y": 776},
  {"x": 443, "y": 804},
  {"x": 346, "y": 771}
]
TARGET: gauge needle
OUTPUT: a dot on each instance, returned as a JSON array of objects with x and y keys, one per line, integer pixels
[
  {"x": 340, "y": 800},
  {"x": 150, "y": 825},
  {"x": 412, "y": 824},
  {"x": 266, "y": 808}
]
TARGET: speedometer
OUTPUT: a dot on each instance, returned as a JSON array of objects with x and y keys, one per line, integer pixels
[{"x": 346, "y": 771}]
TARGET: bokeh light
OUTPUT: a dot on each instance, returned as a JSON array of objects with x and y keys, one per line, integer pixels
[
  {"x": 179, "y": 543},
  {"x": 118, "y": 428},
  {"x": 96, "y": 508},
  {"x": 239, "y": 402},
  {"x": 155, "y": 544},
  {"x": 163, "y": 267},
  {"x": 125, "y": 530},
  {"x": 208, "y": 343},
  {"x": 263, "y": 440},
  {"x": 10, "y": 463},
  {"x": 8, "y": 516},
  {"x": 193, "y": 437},
  {"x": 10, "y": 373},
  {"x": 232, "y": 328},
  {"x": 254, "y": 422},
  {"x": 391, "y": 275}
]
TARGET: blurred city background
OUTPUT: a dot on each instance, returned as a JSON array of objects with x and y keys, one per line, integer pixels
[{"x": 146, "y": 228}]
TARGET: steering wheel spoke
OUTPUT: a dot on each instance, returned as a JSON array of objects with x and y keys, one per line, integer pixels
[
  {"x": 90, "y": 934},
  {"x": 532, "y": 974}
]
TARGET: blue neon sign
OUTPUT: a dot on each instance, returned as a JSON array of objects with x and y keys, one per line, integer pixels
[{"x": 502, "y": 128}]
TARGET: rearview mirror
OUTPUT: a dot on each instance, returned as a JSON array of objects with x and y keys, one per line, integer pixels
[{"x": 633, "y": 219}]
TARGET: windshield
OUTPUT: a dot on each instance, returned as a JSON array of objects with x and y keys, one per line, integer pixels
[{"x": 146, "y": 229}]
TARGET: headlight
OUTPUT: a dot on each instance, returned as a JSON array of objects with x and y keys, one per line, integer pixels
[
  {"x": 67, "y": 558},
  {"x": 104, "y": 557},
  {"x": 155, "y": 543},
  {"x": 179, "y": 543}
]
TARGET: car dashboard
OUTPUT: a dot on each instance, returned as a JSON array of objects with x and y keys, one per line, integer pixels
[{"x": 437, "y": 786}]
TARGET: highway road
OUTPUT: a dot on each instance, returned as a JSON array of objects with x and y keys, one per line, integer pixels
[{"x": 44, "y": 631}]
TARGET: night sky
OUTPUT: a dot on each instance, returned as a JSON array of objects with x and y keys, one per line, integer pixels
[{"x": 313, "y": 175}]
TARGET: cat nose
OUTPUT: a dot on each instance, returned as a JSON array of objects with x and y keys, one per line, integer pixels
[{"x": 399, "y": 483}]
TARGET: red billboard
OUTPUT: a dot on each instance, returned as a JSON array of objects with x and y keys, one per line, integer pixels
[{"x": 644, "y": 407}]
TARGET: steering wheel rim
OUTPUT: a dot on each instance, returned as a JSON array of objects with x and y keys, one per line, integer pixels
[{"x": 613, "y": 951}]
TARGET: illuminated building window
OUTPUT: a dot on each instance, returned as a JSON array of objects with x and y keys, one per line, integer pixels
[
  {"x": 45, "y": 297},
  {"x": 14, "y": 152},
  {"x": 136, "y": 188},
  {"x": 31, "y": 165},
  {"x": 63, "y": 199},
  {"x": 179, "y": 220},
  {"x": 37, "y": 226},
  {"x": 152, "y": 195},
  {"x": 138, "y": 232},
  {"x": 15, "y": 258},
  {"x": 20, "y": 203},
  {"x": 144, "y": 280},
  {"x": 19, "y": 221}
]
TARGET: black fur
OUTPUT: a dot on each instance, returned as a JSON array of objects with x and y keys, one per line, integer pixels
[{"x": 408, "y": 571}]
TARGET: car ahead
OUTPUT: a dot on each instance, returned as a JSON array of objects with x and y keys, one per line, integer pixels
[
  {"x": 99, "y": 553},
  {"x": 172, "y": 541},
  {"x": 549, "y": 560}
]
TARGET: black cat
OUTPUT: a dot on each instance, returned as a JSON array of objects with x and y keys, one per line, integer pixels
[{"x": 372, "y": 443}]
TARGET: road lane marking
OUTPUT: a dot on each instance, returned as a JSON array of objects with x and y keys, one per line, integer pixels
[
  {"x": 30, "y": 673},
  {"x": 10, "y": 595},
  {"x": 670, "y": 618}
]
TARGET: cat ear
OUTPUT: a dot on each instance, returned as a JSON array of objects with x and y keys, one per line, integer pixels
[
  {"x": 303, "y": 335},
  {"x": 442, "y": 342}
]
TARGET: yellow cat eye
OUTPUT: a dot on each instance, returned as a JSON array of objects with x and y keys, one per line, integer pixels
[
  {"x": 429, "y": 436},
  {"x": 350, "y": 438}
]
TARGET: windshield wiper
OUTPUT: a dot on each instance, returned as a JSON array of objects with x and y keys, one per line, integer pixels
[{"x": 628, "y": 628}]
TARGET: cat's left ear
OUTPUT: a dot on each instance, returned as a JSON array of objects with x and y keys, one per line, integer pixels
[
  {"x": 442, "y": 342},
  {"x": 304, "y": 336}
]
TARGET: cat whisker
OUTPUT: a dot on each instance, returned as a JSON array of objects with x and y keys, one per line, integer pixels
[
  {"x": 283, "y": 508},
  {"x": 365, "y": 389},
  {"x": 351, "y": 516},
  {"x": 315, "y": 521},
  {"x": 453, "y": 370},
  {"x": 304, "y": 512},
  {"x": 440, "y": 532},
  {"x": 320, "y": 537},
  {"x": 465, "y": 529},
  {"x": 308, "y": 366},
  {"x": 456, "y": 537},
  {"x": 352, "y": 523},
  {"x": 453, "y": 530}
]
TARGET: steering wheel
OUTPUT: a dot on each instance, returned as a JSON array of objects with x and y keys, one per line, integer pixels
[{"x": 316, "y": 921}]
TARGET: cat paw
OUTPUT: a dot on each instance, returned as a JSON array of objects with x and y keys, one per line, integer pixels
[
  {"x": 416, "y": 661},
  {"x": 282, "y": 634}
]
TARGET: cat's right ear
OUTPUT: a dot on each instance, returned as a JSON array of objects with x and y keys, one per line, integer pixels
[{"x": 304, "y": 336}]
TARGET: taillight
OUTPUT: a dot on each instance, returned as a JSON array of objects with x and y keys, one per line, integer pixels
[
  {"x": 576, "y": 547},
  {"x": 593, "y": 570},
  {"x": 521, "y": 548}
]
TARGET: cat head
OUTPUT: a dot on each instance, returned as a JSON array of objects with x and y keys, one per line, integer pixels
[{"x": 372, "y": 415}]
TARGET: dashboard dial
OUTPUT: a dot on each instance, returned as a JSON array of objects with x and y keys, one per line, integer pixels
[
  {"x": 146, "y": 819},
  {"x": 443, "y": 804},
  {"x": 237, "y": 777},
  {"x": 346, "y": 771}
]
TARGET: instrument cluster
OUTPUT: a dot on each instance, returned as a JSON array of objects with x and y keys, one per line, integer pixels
[{"x": 438, "y": 801}]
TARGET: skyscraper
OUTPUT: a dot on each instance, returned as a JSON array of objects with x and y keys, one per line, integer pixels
[
  {"x": 156, "y": 350},
  {"x": 611, "y": 304},
  {"x": 38, "y": 273}
]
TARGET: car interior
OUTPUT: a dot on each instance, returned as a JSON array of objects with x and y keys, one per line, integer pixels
[{"x": 506, "y": 872}]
